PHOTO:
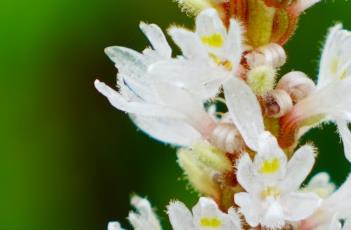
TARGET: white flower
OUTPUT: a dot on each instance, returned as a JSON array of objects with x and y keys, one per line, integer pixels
[
  {"x": 209, "y": 55},
  {"x": 331, "y": 101},
  {"x": 143, "y": 218},
  {"x": 205, "y": 216},
  {"x": 334, "y": 208},
  {"x": 164, "y": 111},
  {"x": 271, "y": 182}
]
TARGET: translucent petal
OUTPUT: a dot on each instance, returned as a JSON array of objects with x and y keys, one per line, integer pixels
[
  {"x": 298, "y": 168},
  {"x": 157, "y": 39},
  {"x": 244, "y": 110}
]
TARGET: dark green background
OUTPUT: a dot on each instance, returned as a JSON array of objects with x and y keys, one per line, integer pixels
[{"x": 68, "y": 160}]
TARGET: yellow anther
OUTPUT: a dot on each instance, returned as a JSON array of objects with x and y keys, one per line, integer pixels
[
  {"x": 270, "y": 166},
  {"x": 334, "y": 65},
  {"x": 214, "y": 40},
  {"x": 208, "y": 222},
  {"x": 226, "y": 63},
  {"x": 270, "y": 192}
]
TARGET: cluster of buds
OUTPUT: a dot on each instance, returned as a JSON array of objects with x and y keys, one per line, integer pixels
[{"x": 242, "y": 159}]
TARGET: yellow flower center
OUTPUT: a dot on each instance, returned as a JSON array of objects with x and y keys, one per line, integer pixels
[
  {"x": 213, "y": 40},
  {"x": 270, "y": 191},
  {"x": 270, "y": 166},
  {"x": 210, "y": 222}
]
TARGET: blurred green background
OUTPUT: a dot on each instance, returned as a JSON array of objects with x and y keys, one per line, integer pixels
[{"x": 69, "y": 160}]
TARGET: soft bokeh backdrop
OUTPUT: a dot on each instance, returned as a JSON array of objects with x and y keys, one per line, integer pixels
[{"x": 68, "y": 160}]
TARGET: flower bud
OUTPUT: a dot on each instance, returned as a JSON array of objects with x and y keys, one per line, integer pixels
[
  {"x": 227, "y": 138},
  {"x": 198, "y": 175},
  {"x": 261, "y": 79},
  {"x": 272, "y": 54},
  {"x": 297, "y": 84},
  {"x": 277, "y": 103}
]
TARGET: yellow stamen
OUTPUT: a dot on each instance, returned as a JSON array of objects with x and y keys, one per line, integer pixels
[
  {"x": 226, "y": 64},
  {"x": 208, "y": 222},
  {"x": 270, "y": 166},
  {"x": 214, "y": 40}
]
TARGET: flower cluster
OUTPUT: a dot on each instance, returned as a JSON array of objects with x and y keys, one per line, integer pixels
[{"x": 244, "y": 160}]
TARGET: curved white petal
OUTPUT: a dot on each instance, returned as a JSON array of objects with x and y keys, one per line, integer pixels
[
  {"x": 244, "y": 110},
  {"x": 208, "y": 23},
  {"x": 321, "y": 185},
  {"x": 336, "y": 57},
  {"x": 235, "y": 219},
  {"x": 189, "y": 43},
  {"x": 139, "y": 108},
  {"x": 166, "y": 130},
  {"x": 250, "y": 209},
  {"x": 233, "y": 47},
  {"x": 298, "y": 206},
  {"x": 345, "y": 134},
  {"x": 157, "y": 39},
  {"x": 298, "y": 168},
  {"x": 114, "y": 226},
  {"x": 180, "y": 216}
]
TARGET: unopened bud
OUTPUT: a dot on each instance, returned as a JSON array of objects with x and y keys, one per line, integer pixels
[
  {"x": 297, "y": 84},
  {"x": 227, "y": 138},
  {"x": 271, "y": 54},
  {"x": 277, "y": 103},
  {"x": 199, "y": 176},
  {"x": 261, "y": 79}
]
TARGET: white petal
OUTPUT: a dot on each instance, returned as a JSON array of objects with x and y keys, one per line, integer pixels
[
  {"x": 336, "y": 57},
  {"x": 340, "y": 201},
  {"x": 269, "y": 152},
  {"x": 208, "y": 23},
  {"x": 144, "y": 218},
  {"x": 202, "y": 80},
  {"x": 128, "y": 61},
  {"x": 345, "y": 136},
  {"x": 114, "y": 226},
  {"x": 185, "y": 104},
  {"x": 298, "y": 206},
  {"x": 299, "y": 166},
  {"x": 180, "y": 216},
  {"x": 274, "y": 216},
  {"x": 245, "y": 174},
  {"x": 189, "y": 43},
  {"x": 233, "y": 47},
  {"x": 206, "y": 212},
  {"x": 321, "y": 185},
  {"x": 244, "y": 110},
  {"x": 167, "y": 130},
  {"x": 157, "y": 39},
  {"x": 250, "y": 209},
  {"x": 139, "y": 108}
]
